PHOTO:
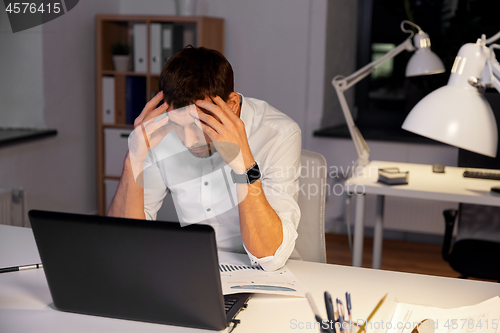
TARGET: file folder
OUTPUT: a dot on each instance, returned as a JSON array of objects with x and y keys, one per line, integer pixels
[
  {"x": 139, "y": 35},
  {"x": 135, "y": 97},
  {"x": 189, "y": 35},
  {"x": 155, "y": 48},
  {"x": 166, "y": 42},
  {"x": 108, "y": 100}
]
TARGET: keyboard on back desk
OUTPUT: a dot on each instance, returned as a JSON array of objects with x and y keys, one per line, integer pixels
[{"x": 482, "y": 174}]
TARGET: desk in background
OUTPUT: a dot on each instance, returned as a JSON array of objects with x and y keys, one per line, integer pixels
[
  {"x": 423, "y": 184},
  {"x": 26, "y": 305}
]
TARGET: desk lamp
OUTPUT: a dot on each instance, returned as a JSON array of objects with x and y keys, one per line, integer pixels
[
  {"x": 423, "y": 62},
  {"x": 458, "y": 114}
]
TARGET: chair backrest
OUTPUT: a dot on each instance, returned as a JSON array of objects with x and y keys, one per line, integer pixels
[
  {"x": 478, "y": 221},
  {"x": 312, "y": 196}
]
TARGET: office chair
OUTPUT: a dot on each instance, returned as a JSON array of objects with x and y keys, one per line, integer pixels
[
  {"x": 476, "y": 252},
  {"x": 311, "y": 240}
]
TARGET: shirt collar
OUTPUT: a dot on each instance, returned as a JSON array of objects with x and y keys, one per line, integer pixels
[{"x": 247, "y": 114}]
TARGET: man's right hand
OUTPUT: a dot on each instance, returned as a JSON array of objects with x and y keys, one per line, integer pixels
[
  {"x": 147, "y": 132},
  {"x": 129, "y": 198}
]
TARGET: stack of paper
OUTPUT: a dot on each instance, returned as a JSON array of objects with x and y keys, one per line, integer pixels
[
  {"x": 480, "y": 318},
  {"x": 239, "y": 278}
]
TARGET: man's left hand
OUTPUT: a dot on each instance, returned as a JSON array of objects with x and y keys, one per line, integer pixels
[{"x": 227, "y": 132}]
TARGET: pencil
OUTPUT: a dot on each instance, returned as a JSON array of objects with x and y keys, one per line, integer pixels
[{"x": 362, "y": 327}]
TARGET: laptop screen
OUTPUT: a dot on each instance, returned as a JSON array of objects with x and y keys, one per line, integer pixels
[{"x": 131, "y": 269}]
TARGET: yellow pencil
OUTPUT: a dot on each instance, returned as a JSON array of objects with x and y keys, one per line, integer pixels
[{"x": 362, "y": 327}]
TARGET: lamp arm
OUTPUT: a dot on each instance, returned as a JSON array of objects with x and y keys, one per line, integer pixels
[
  {"x": 491, "y": 74},
  {"x": 359, "y": 142},
  {"x": 495, "y": 77},
  {"x": 360, "y": 74},
  {"x": 491, "y": 39},
  {"x": 341, "y": 84}
]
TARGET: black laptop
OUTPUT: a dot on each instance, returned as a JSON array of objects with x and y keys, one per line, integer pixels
[{"x": 131, "y": 269}]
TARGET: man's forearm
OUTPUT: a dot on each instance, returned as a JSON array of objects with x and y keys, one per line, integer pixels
[
  {"x": 129, "y": 198},
  {"x": 261, "y": 228}
]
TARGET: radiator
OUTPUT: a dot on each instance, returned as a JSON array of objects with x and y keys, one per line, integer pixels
[{"x": 13, "y": 207}]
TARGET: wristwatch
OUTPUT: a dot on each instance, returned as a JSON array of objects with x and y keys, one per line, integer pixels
[{"x": 249, "y": 177}]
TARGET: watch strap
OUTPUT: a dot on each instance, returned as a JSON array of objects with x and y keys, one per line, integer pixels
[{"x": 249, "y": 177}]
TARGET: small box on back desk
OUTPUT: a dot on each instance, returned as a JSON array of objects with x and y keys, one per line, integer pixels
[{"x": 392, "y": 176}]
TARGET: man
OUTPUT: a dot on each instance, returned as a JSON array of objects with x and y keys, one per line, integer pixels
[{"x": 207, "y": 149}]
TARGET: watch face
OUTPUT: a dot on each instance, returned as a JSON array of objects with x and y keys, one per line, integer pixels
[
  {"x": 253, "y": 174},
  {"x": 249, "y": 177}
]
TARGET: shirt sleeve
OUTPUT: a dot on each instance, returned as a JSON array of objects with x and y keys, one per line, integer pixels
[
  {"x": 280, "y": 182},
  {"x": 155, "y": 189}
]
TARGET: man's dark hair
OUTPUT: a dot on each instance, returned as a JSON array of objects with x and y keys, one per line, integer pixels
[{"x": 194, "y": 73}]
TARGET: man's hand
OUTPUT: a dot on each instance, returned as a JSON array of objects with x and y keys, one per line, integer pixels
[
  {"x": 227, "y": 132},
  {"x": 129, "y": 198},
  {"x": 147, "y": 133}
]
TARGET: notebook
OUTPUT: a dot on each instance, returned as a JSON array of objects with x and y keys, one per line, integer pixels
[{"x": 132, "y": 269}]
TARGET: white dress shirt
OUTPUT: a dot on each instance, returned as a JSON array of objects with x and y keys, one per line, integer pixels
[{"x": 203, "y": 191}]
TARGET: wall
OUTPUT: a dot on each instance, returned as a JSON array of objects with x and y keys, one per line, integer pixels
[
  {"x": 21, "y": 95},
  {"x": 59, "y": 173}
]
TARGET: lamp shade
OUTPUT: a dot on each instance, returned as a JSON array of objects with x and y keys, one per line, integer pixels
[
  {"x": 423, "y": 61},
  {"x": 458, "y": 114}
]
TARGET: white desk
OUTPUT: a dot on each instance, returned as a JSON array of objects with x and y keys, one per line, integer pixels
[
  {"x": 423, "y": 184},
  {"x": 25, "y": 302}
]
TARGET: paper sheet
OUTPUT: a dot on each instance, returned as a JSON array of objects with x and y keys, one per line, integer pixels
[
  {"x": 240, "y": 278},
  {"x": 480, "y": 318}
]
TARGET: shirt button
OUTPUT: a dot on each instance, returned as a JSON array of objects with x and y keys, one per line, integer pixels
[
  {"x": 208, "y": 209},
  {"x": 206, "y": 183}
]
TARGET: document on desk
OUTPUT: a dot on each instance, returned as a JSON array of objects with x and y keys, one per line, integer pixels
[
  {"x": 240, "y": 278},
  {"x": 480, "y": 318}
]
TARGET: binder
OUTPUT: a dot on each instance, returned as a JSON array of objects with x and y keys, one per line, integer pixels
[
  {"x": 115, "y": 149},
  {"x": 119, "y": 99},
  {"x": 139, "y": 36},
  {"x": 178, "y": 37},
  {"x": 135, "y": 97},
  {"x": 155, "y": 60},
  {"x": 108, "y": 100},
  {"x": 189, "y": 36},
  {"x": 166, "y": 42}
]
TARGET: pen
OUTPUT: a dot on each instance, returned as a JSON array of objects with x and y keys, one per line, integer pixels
[
  {"x": 20, "y": 268},
  {"x": 329, "y": 308},
  {"x": 348, "y": 303},
  {"x": 362, "y": 327},
  {"x": 349, "y": 307},
  {"x": 316, "y": 314},
  {"x": 341, "y": 315}
]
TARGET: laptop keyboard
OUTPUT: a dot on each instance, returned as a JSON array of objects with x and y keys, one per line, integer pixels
[{"x": 229, "y": 303}]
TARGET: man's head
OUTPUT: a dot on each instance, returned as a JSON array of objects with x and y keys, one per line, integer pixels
[{"x": 196, "y": 74}]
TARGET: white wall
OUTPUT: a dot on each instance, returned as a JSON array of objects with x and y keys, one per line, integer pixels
[
  {"x": 21, "y": 77},
  {"x": 58, "y": 173}
]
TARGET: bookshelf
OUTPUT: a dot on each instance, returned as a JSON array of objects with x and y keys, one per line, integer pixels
[{"x": 112, "y": 127}]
